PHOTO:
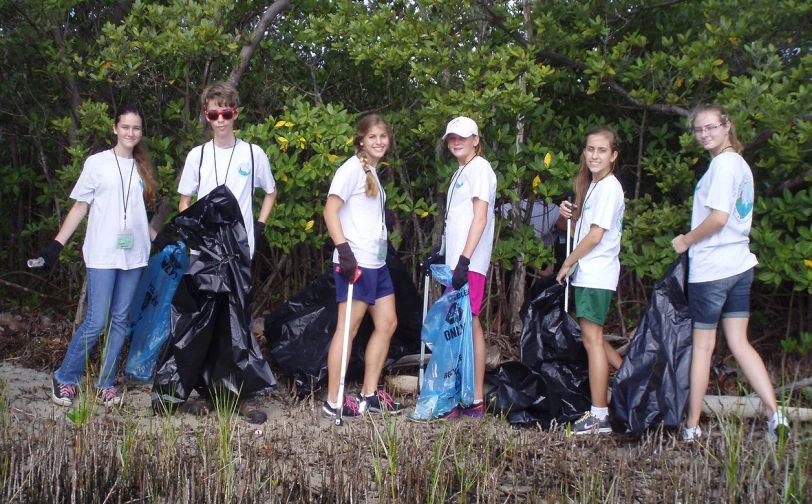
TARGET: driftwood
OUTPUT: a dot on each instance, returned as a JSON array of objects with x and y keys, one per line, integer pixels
[{"x": 748, "y": 407}]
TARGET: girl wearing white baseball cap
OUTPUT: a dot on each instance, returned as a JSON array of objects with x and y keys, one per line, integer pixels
[{"x": 468, "y": 236}]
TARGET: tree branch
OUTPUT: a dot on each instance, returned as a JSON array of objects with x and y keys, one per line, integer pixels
[
  {"x": 248, "y": 50},
  {"x": 613, "y": 86}
]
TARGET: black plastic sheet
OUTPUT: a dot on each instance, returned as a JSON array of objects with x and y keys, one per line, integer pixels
[
  {"x": 552, "y": 380},
  {"x": 211, "y": 345},
  {"x": 652, "y": 385},
  {"x": 299, "y": 333}
]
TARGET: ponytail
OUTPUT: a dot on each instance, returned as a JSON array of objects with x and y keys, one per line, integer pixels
[{"x": 371, "y": 184}]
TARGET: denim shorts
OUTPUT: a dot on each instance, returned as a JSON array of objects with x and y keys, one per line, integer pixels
[
  {"x": 725, "y": 298},
  {"x": 371, "y": 285}
]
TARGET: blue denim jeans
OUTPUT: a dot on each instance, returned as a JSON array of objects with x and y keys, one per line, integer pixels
[{"x": 109, "y": 291}]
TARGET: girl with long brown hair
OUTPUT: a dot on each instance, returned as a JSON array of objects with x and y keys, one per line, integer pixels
[{"x": 113, "y": 190}]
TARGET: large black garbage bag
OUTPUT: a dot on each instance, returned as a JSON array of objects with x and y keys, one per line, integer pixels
[
  {"x": 211, "y": 344},
  {"x": 552, "y": 380},
  {"x": 652, "y": 385},
  {"x": 299, "y": 333}
]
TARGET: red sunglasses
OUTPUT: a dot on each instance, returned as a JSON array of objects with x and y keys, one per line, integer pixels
[{"x": 228, "y": 114}]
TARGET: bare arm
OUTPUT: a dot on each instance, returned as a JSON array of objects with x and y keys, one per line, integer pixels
[
  {"x": 267, "y": 206},
  {"x": 334, "y": 203},
  {"x": 712, "y": 224},
  {"x": 590, "y": 241},
  {"x": 477, "y": 227},
  {"x": 74, "y": 217},
  {"x": 185, "y": 202}
]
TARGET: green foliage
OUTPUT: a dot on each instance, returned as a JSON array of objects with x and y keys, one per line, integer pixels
[{"x": 534, "y": 83}]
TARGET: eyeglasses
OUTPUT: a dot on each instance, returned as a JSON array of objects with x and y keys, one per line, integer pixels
[
  {"x": 709, "y": 128},
  {"x": 227, "y": 114}
]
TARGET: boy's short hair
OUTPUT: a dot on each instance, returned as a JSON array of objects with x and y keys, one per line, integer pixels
[{"x": 223, "y": 94}]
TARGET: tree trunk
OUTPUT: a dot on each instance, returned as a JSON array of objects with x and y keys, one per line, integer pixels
[{"x": 248, "y": 50}]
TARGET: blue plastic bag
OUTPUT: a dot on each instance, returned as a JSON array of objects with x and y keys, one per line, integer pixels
[
  {"x": 150, "y": 310},
  {"x": 447, "y": 331}
]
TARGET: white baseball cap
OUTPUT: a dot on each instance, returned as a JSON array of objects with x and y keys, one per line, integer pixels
[{"x": 461, "y": 126}]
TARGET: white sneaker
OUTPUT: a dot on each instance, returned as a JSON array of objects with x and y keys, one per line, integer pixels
[
  {"x": 690, "y": 433},
  {"x": 777, "y": 424}
]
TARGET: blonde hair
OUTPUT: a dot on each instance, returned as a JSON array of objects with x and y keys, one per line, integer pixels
[
  {"x": 584, "y": 176},
  {"x": 371, "y": 187},
  {"x": 142, "y": 161},
  {"x": 724, "y": 117}
]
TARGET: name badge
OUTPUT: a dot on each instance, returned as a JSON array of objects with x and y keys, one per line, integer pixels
[
  {"x": 124, "y": 239},
  {"x": 383, "y": 247}
]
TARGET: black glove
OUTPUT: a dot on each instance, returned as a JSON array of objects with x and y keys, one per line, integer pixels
[
  {"x": 160, "y": 242},
  {"x": 259, "y": 233},
  {"x": 390, "y": 219},
  {"x": 435, "y": 257},
  {"x": 346, "y": 260},
  {"x": 460, "y": 277},
  {"x": 50, "y": 254}
]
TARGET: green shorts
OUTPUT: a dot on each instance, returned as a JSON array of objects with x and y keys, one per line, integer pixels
[{"x": 593, "y": 304}]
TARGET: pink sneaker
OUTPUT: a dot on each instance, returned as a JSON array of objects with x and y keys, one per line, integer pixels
[{"x": 476, "y": 410}]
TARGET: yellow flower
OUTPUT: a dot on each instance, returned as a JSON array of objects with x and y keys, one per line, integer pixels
[
  {"x": 309, "y": 225},
  {"x": 536, "y": 181},
  {"x": 284, "y": 178},
  {"x": 332, "y": 158},
  {"x": 424, "y": 215},
  {"x": 350, "y": 140},
  {"x": 282, "y": 140},
  {"x": 808, "y": 263},
  {"x": 547, "y": 160},
  {"x": 281, "y": 123}
]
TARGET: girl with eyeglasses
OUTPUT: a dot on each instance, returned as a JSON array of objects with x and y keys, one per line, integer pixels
[
  {"x": 113, "y": 190},
  {"x": 721, "y": 265},
  {"x": 598, "y": 214}
]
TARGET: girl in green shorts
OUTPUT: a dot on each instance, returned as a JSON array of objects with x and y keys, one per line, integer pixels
[{"x": 594, "y": 264}]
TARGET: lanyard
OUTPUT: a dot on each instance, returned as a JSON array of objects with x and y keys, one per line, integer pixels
[
  {"x": 129, "y": 185},
  {"x": 588, "y": 194},
  {"x": 380, "y": 195},
  {"x": 451, "y": 194},
  {"x": 214, "y": 149}
]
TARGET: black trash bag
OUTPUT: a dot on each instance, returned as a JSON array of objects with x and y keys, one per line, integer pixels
[
  {"x": 300, "y": 332},
  {"x": 552, "y": 380},
  {"x": 652, "y": 384},
  {"x": 211, "y": 345}
]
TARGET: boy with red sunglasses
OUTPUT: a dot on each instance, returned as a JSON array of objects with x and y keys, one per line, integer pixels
[
  {"x": 227, "y": 160},
  {"x": 240, "y": 166}
]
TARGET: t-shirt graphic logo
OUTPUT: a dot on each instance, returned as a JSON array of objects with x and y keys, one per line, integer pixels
[
  {"x": 458, "y": 185},
  {"x": 141, "y": 183},
  {"x": 744, "y": 200},
  {"x": 244, "y": 170}
]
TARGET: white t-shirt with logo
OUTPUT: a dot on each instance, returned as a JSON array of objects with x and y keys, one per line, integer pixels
[
  {"x": 233, "y": 168},
  {"x": 105, "y": 187},
  {"x": 475, "y": 179},
  {"x": 726, "y": 186},
  {"x": 361, "y": 216},
  {"x": 604, "y": 206}
]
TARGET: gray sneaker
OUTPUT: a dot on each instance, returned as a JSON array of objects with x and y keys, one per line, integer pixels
[
  {"x": 589, "y": 424},
  {"x": 690, "y": 433},
  {"x": 777, "y": 425}
]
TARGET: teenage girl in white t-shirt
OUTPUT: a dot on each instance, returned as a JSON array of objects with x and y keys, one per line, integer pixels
[
  {"x": 598, "y": 210},
  {"x": 354, "y": 214},
  {"x": 468, "y": 237},
  {"x": 112, "y": 191},
  {"x": 721, "y": 265}
]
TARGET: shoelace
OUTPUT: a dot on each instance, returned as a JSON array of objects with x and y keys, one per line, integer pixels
[
  {"x": 351, "y": 403},
  {"x": 387, "y": 399},
  {"x": 67, "y": 389}
]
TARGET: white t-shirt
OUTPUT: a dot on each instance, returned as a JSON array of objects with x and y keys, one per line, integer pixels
[
  {"x": 473, "y": 180},
  {"x": 105, "y": 188},
  {"x": 603, "y": 207},
  {"x": 726, "y": 186},
  {"x": 361, "y": 216},
  {"x": 233, "y": 168}
]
